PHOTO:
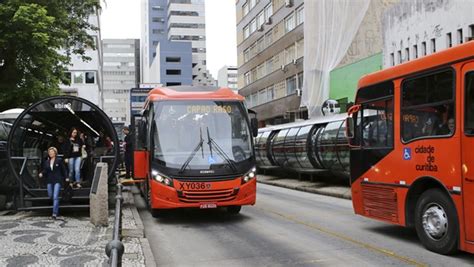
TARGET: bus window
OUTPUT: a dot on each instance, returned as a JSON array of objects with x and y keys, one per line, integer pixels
[
  {"x": 469, "y": 123},
  {"x": 377, "y": 124},
  {"x": 428, "y": 106}
]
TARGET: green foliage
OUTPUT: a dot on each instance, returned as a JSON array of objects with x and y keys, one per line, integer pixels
[{"x": 37, "y": 39}]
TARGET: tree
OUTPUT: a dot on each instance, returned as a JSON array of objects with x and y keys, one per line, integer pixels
[{"x": 37, "y": 39}]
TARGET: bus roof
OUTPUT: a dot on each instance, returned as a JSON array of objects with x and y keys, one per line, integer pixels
[
  {"x": 444, "y": 57},
  {"x": 193, "y": 93}
]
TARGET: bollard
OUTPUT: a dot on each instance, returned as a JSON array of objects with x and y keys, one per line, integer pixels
[{"x": 99, "y": 206}]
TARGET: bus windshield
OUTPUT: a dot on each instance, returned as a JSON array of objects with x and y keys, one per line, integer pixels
[{"x": 202, "y": 137}]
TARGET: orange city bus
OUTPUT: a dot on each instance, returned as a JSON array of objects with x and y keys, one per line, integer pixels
[
  {"x": 194, "y": 149},
  {"x": 411, "y": 133}
]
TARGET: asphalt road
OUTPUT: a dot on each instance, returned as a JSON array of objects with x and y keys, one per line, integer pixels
[{"x": 285, "y": 228}]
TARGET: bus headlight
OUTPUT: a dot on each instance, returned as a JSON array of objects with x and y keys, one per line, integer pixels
[
  {"x": 249, "y": 175},
  {"x": 161, "y": 178}
]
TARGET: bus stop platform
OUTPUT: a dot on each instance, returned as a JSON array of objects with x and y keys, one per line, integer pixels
[
  {"x": 324, "y": 186},
  {"x": 33, "y": 238}
]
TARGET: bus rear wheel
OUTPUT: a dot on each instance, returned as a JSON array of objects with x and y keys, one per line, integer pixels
[
  {"x": 436, "y": 222},
  {"x": 234, "y": 209}
]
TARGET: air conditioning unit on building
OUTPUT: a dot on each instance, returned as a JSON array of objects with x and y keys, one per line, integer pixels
[
  {"x": 288, "y": 3},
  {"x": 298, "y": 92},
  {"x": 268, "y": 21},
  {"x": 283, "y": 67},
  {"x": 295, "y": 61},
  {"x": 260, "y": 29}
]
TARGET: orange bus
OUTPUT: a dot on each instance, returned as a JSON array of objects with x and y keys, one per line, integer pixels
[
  {"x": 194, "y": 149},
  {"x": 411, "y": 133}
]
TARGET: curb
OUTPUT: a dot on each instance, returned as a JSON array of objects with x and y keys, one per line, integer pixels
[
  {"x": 308, "y": 190},
  {"x": 149, "y": 258}
]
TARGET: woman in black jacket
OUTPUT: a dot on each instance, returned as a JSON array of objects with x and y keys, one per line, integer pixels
[
  {"x": 55, "y": 173},
  {"x": 73, "y": 155}
]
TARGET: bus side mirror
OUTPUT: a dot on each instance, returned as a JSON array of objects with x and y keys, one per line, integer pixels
[
  {"x": 254, "y": 126},
  {"x": 349, "y": 127}
]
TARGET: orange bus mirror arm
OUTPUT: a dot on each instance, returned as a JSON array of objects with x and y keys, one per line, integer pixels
[{"x": 353, "y": 109}]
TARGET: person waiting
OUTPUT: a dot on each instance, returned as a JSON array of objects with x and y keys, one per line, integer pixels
[
  {"x": 55, "y": 173},
  {"x": 73, "y": 155}
]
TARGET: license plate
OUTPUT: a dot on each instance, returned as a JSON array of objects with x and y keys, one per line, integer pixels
[
  {"x": 195, "y": 186},
  {"x": 208, "y": 206}
]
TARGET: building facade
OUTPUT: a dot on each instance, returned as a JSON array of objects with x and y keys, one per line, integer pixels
[
  {"x": 174, "y": 42},
  {"x": 412, "y": 29},
  {"x": 270, "y": 57},
  {"x": 86, "y": 76},
  {"x": 121, "y": 72},
  {"x": 227, "y": 77}
]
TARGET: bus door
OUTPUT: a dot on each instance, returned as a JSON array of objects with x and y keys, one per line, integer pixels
[
  {"x": 467, "y": 146},
  {"x": 140, "y": 155}
]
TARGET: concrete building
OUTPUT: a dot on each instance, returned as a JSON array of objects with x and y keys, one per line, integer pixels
[
  {"x": 227, "y": 77},
  {"x": 174, "y": 47},
  {"x": 86, "y": 77},
  {"x": 270, "y": 57},
  {"x": 121, "y": 72},
  {"x": 413, "y": 29}
]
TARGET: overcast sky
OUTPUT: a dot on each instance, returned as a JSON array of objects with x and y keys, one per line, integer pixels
[{"x": 121, "y": 19}]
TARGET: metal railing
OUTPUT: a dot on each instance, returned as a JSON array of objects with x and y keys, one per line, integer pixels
[{"x": 115, "y": 248}]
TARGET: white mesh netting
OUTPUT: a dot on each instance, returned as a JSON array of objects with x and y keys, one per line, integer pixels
[{"x": 330, "y": 26}]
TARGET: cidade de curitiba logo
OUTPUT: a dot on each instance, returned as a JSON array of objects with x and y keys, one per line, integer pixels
[{"x": 430, "y": 164}]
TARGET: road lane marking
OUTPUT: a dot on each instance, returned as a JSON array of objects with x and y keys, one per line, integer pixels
[{"x": 346, "y": 238}]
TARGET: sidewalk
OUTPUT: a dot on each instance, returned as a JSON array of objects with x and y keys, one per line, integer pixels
[
  {"x": 322, "y": 187},
  {"x": 32, "y": 238}
]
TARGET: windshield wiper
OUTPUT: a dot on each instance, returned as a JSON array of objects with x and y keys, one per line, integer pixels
[
  {"x": 219, "y": 150},
  {"x": 193, "y": 153}
]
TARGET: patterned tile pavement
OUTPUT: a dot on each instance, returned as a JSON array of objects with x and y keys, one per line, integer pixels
[{"x": 33, "y": 239}]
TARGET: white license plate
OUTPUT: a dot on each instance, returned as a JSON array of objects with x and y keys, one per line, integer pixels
[{"x": 208, "y": 206}]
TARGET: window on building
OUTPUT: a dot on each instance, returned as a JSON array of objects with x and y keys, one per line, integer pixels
[
  {"x": 291, "y": 85},
  {"x": 427, "y": 105},
  {"x": 173, "y": 59},
  {"x": 252, "y": 3},
  {"x": 300, "y": 15},
  {"x": 173, "y": 72},
  {"x": 269, "y": 66},
  {"x": 260, "y": 71},
  {"x": 268, "y": 11},
  {"x": 460, "y": 36},
  {"x": 300, "y": 48},
  {"x": 157, "y": 19},
  {"x": 433, "y": 45},
  {"x": 300, "y": 80},
  {"x": 471, "y": 30},
  {"x": 155, "y": 43},
  {"x": 78, "y": 77},
  {"x": 392, "y": 59},
  {"x": 246, "y": 31},
  {"x": 399, "y": 54},
  {"x": 246, "y": 55},
  {"x": 260, "y": 19},
  {"x": 270, "y": 93},
  {"x": 254, "y": 99},
  {"x": 268, "y": 38},
  {"x": 407, "y": 54},
  {"x": 158, "y": 8},
  {"x": 415, "y": 51},
  {"x": 245, "y": 9},
  {"x": 449, "y": 40},
  {"x": 173, "y": 84},
  {"x": 260, "y": 44},
  {"x": 423, "y": 48},
  {"x": 253, "y": 50},
  {"x": 290, "y": 22},
  {"x": 290, "y": 54},
  {"x": 262, "y": 96},
  {"x": 90, "y": 77},
  {"x": 247, "y": 79},
  {"x": 253, "y": 25}
]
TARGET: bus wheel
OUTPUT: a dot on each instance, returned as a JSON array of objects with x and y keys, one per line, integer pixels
[
  {"x": 234, "y": 209},
  {"x": 436, "y": 222}
]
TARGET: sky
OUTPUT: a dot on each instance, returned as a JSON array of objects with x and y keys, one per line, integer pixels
[{"x": 121, "y": 19}]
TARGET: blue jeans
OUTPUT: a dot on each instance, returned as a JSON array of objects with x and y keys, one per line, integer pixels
[
  {"x": 53, "y": 192},
  {"x": 75, "y": 168}
]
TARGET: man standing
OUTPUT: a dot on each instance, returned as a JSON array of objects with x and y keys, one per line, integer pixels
[{"x": 128, "y": 152}]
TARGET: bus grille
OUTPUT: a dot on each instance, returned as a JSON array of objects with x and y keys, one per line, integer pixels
[
  {"x": 380, "y": 202},
  {"x": 207, "y": 195}
]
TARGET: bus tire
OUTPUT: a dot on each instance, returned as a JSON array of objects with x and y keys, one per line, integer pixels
[
  {"x": 234, "y": 209},
  {"x": 436, "y": 222}
]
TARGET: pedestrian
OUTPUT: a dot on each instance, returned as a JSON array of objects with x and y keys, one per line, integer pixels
[
  {"x": 74, "y": 154},
  {"x": 127, "y": 156},
  {"x": 55, "y": 172}
]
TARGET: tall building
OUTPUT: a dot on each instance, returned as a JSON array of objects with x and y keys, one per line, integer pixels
[
  {"x": 413, "y": 29},
  {"x": 227, "y": 77},
  {"x": 174, "y": 42},
  {"x": 86, "y": 76},
  {"x": 270, "y": 57},
  {"x": 121, "y": 72}
]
